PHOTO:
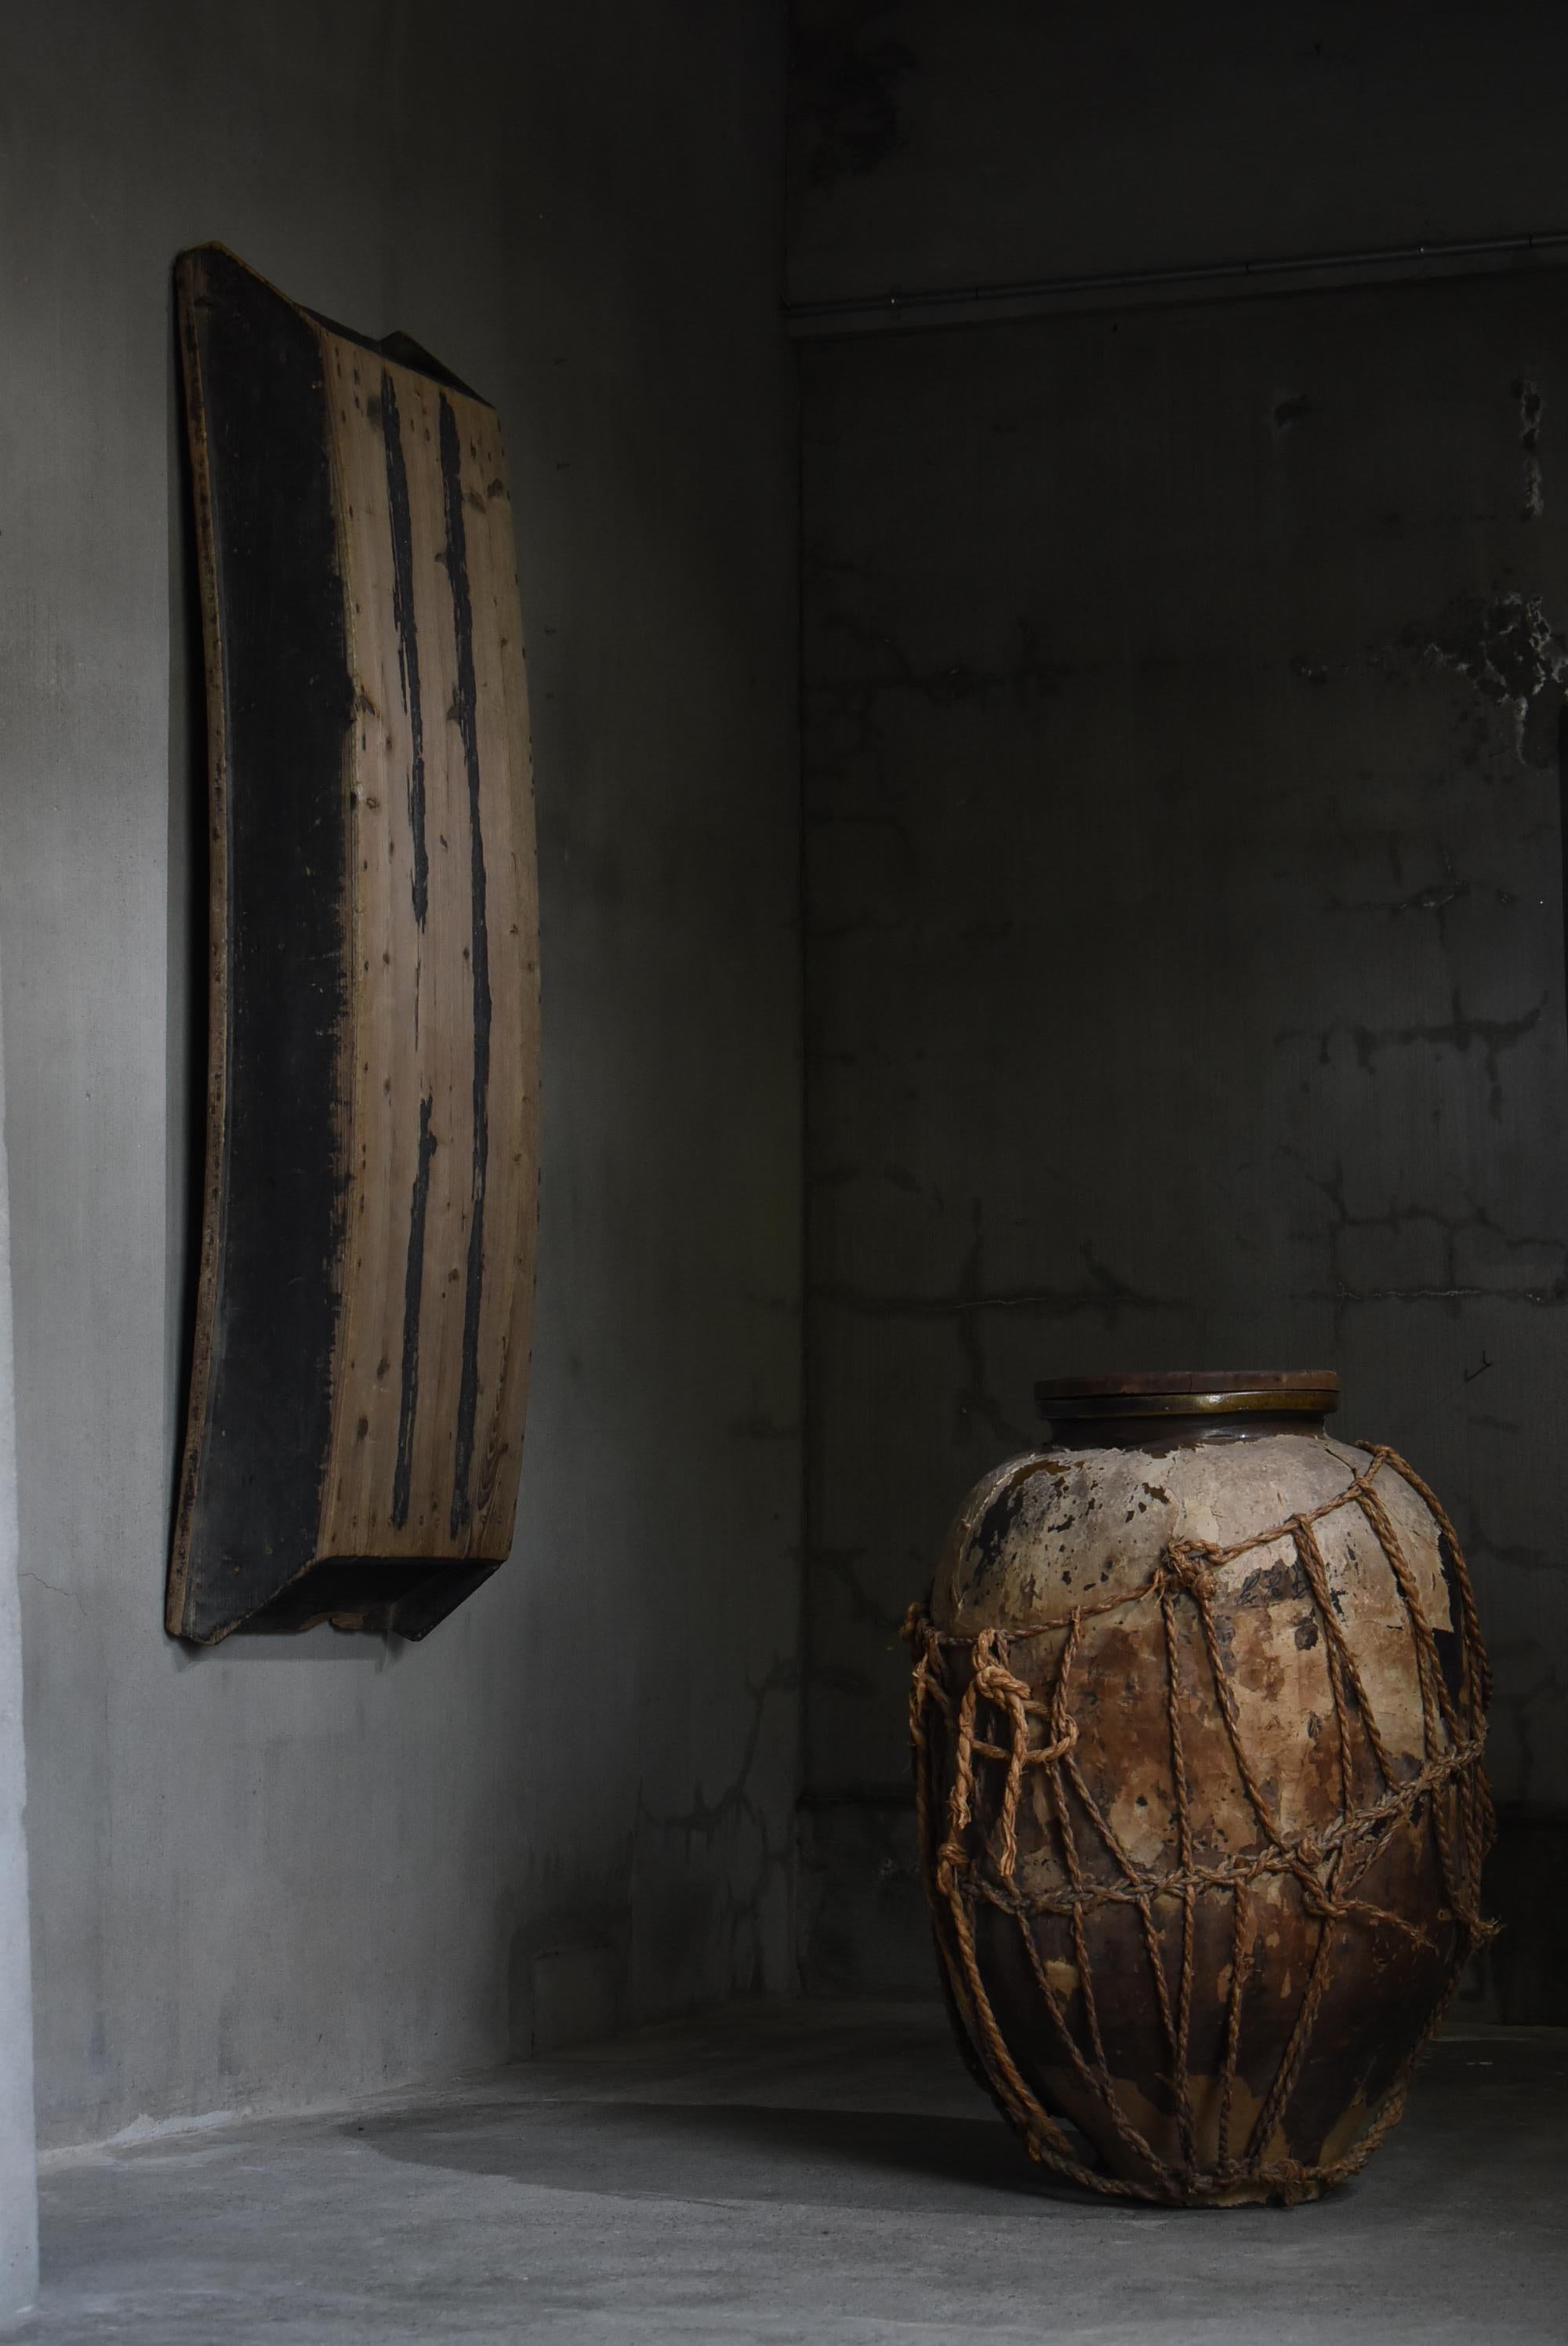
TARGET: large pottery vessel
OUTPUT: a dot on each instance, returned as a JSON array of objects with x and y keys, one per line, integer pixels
[{"x": 1197, "y": 1711}]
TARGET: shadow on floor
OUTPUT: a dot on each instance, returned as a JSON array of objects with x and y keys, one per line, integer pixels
[
  {"x": 662, "y": 2150},
  {"x": 920, "y": 2161}
]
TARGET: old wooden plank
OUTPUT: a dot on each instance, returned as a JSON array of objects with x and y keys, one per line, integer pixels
[{"x": 388, "y": 768}]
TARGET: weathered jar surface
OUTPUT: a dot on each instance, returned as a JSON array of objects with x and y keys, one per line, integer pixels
[{"x": 1198, "y": 1713}]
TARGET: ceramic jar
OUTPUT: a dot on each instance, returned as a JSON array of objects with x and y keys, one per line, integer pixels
[{"x": 1198, "y": 1711}]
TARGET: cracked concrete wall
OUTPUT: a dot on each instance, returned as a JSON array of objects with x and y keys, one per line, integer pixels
[
  {"x": 1185, "y": 711},
  {"x": 286, "y": 1870}
]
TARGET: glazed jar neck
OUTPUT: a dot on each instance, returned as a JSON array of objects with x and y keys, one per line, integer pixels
[{"x": 1173, "y": 1432}]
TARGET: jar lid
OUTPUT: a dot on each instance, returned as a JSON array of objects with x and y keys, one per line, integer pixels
[{"x": 1192, "y": 1393}]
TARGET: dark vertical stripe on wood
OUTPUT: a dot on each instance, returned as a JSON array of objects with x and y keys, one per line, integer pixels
[
  {"x": 407, "y": 639},
  {"x": 464, "y": 711},
  {"x": 413, "y": 1299}
]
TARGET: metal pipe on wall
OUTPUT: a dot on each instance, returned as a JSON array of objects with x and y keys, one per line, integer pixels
[{"x": 978, "y": 304}]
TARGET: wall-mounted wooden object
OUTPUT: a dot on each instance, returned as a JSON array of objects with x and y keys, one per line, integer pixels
[{"x": 360, "y": 1351}]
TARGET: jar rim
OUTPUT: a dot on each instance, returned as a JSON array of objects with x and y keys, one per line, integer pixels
[{"x": 1191, "y": 1392}]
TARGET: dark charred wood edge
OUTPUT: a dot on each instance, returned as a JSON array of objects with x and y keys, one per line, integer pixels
[
  {"x": 280, "y": 708},
  {"x": 464, "y": 708},
  {"x": 205, "y": 1140},
  {"x": 401, "y": 1598}
]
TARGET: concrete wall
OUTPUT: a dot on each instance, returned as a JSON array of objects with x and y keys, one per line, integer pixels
[
  {"x": 1185, "y": 865},
  {"x": 1002, "y": 140},
  {"x": 281, "y": 1872},
  {"x": 18, "y": 2176}
]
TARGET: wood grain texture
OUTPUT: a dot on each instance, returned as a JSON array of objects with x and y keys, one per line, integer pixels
[{"x": 415, "y": 1144}]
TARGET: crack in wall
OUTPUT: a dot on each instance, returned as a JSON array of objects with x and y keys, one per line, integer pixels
[
  {"x": 705, "y": 1818},
  {"x": 1027, "y": 675},
  {"x": 845, "y": 706},
  {"x": 735, "y": 1807},
  {"x": 1457, "y": 1033},
  {"x": 866, "y": 1610},
  {"x": 1533, "y": 483},
  {"x": 1543, "y": 1688},
  {"x": 1103, "y": 1293},
  {"x": 1481, "y": 1546},
  {"x": 1436, "y": 898},
  {"x": 1450, "y": 1287}
]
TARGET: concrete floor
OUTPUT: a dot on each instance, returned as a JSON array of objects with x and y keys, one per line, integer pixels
[{"x": 794, "y": 2172}]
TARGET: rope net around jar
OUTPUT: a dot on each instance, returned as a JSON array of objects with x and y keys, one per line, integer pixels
[{"x": 998, "y": 1722}]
